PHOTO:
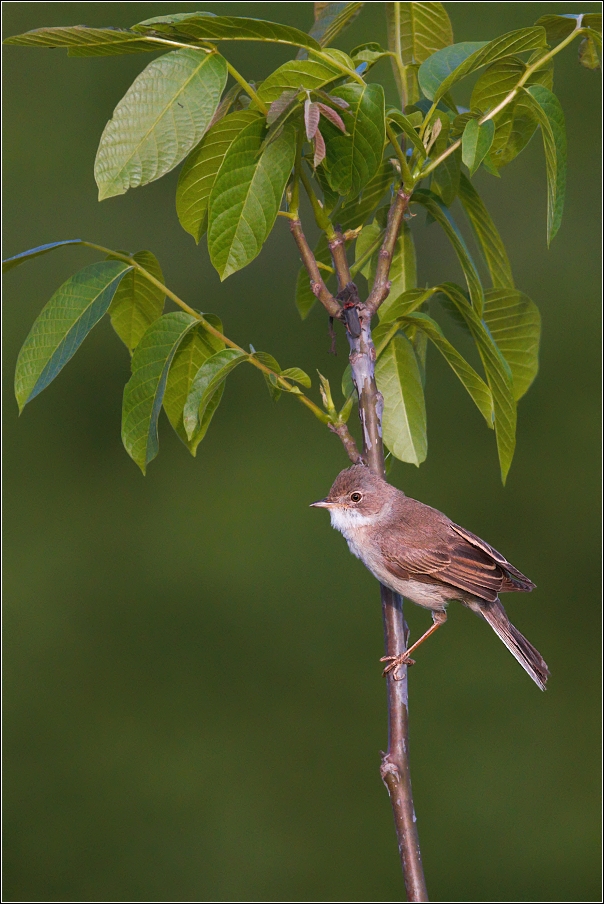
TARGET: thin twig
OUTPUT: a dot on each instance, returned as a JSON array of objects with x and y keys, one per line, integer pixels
[
  {"x": 381, "y": 284},
  {"x": 348, "y": 442},
  {"x": 317, "y": 284},
  {"x": 337, "y": 248}
]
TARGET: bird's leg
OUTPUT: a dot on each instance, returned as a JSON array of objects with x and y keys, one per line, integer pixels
[{"x": 439, "y": 617}]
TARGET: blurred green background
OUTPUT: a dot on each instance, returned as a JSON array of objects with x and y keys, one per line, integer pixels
[{"x": 193, "y": 701}]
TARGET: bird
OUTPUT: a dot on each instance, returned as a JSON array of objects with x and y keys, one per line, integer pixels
[{"x": 419, "y": 553}]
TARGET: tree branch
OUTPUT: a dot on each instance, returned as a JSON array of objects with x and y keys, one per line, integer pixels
[
  {"x": 381, "y": 284},
  {"x": 348, "y": 442},
  {"x": 337, "y": 248},
  {"x": 317, "y": 285}
]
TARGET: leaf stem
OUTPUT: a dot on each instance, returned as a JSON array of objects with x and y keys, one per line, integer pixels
[
  {"x": 398, "y": 56},
  {"x": 247, "y": 87},
  {"x": 402, "y": 159}
]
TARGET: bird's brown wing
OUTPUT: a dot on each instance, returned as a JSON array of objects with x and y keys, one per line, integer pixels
[
  {"x": 513, "y": 579},
  {"x": 460, "y": 562}
]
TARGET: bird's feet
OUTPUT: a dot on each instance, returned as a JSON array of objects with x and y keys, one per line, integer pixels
[{"x": 394, "y": 662}]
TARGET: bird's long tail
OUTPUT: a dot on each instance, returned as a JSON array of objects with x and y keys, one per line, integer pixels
[{"x": 529, "y": 658}]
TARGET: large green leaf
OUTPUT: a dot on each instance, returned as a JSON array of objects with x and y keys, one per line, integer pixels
[
  {"x": 24, "y": 256},
  {"x": 246, "y": 196},
  {"x": 144, "y": 391},
  {"x": 137, "y": 302},
  {"x": 447, "y": 66},
  {"x": 404, "y": 419},
  {"x": 164, "y": 114},
  {"x": 207, "y": 27},
  {"x": 486, "y": 235},
  {"x": 415, "y": 32},
  {"x": 476, "y": 143},
  {"x": 546, "y": 109},
  {"x": 331, "y": 19},
  {"x": 63, "y": 325},
  {"x": 403, "y": 123},
  {"x": 409, "y": 301},
  {"x": 83, "y": 41},
  {"x": 354, "y": 159},
  {"x": 197, "y": 346},
  {"x": 474, "y": 384},
  {"x": 515, "y": 324},
  {"x": 445, "y": 178},
  {"x": 440, "y": 213},
  {"x": 210, "y": 377},
  {"x": 201, "y": 168},
  {"x": 498, "y": 376},
  {"x": 310, "y": 74},
  {"x": 558, "y": 27}
]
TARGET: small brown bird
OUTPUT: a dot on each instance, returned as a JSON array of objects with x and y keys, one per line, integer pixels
[{"x": 418, "y": 552}]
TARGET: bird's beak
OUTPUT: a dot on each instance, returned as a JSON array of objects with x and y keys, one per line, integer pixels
[{"x": 322, "y": 503}]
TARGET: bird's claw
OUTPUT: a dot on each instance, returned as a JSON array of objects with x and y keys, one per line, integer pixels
[{"x": 394, "y": 662}]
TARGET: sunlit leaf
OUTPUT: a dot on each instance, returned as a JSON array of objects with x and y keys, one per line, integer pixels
[
  {"x": 547, "y": 111},
  {"x": 416, "y": 31},
  {"x": 137, "y": 302},
  {"x": 404, "y": 419},
  {"x": 515, "y": 324},
  {"x": 162, "y": 116},
  {"x": 210, "y": 376},
  {"x": 296, "y": 74},
  {"x": 297, "y": 375},
  {"x": 558, "y": 27},
  {"x": 476, "y": 143},
  {"x": 80, "y": 40},
  {"x": 246, "y": 196},
  {"x": 62, "y": 326},
  {"x": 207, "y": 27},
  {"x": 486, "y": 234},
  {"x": 201, "y": 168},
  {"x": 354, "y": 159},
  {"x": 588, "y": 53},
  {"x": 331, "y": 19},
  {"x": 403, "y": 270},
  {"x": 24, "y": 256}
]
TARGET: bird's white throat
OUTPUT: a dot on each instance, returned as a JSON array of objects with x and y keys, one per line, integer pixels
[{"x": 348, "y": 520}]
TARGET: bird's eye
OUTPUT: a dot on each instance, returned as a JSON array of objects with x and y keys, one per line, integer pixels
[{"x": 355, "y": 497}]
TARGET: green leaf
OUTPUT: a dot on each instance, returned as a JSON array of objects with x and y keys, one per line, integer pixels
[
  {"x": 515, "y": 325},
  {"x": 137, "y": 302},
  {"x": 207, "y": 27},
  {"x": 403, "y": 269},
  {"x": 201, "y": 168},
  {"x": 83, "y": 41},
  {"x": 197, "y": 346},
  {"x": 305, "y": 298},
  {"x": 409, "y": 301},
  {"x": 474, "y": 384},
  {"x": 548, "y": 113},
  {"x": 588, "y": 53},
  {"x": 164, "y": 114},
  {"x": 404, "y": 124},
  {"x": 354, "y": 159},
  {"x": 476, "y": 143},
  {"x": 440, "y": 213},
  {"x": 62, "y": 326},
  {"x": 272, "y": 384},
  {"x": 144, "y": 391},
  {"x": 558, "y": 27},
  {"x": 404, "y": 420},
  {"x": 486, "y": 235},
  {"x": 331, "y": 19},
  {"x": 246, "y": 196},
  {"x": 298, "y": 74},
  {"x": 11, "y": 262},
  {"x": 210, "y": 376},
  {"x": 416, "y": 30},
  {"x": 298, "y": 376},
  {"x": 445, "y": 178},
  {"x": 446, "y": 67},
  {"x": 498, "y": 376}
]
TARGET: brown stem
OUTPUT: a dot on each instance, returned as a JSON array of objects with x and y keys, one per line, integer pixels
[
  {"x": 316, "y": 280},
  {"x": 381, "y": 283},
  {"x": 348, "y": 442},
  {"x": 337, "y": 247}
]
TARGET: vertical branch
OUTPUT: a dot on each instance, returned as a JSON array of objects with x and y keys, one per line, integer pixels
[{"x": 381, "y": 285}]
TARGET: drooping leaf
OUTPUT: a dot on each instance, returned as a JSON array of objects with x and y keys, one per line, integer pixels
[
  {"x": 409, "y": 301},
  {"x": 330, "y": 114},
  {"x": 162, "y": 116},
  {"x": 445, "y": 178},
  {"x": 83, "y": 41},
  {"x": 24, "y": 256},
  {"x": 62, "y": 326},
  {"x": 210, "y": 376},
  {"x": 144, "y": 391},
  {"x": 515, "y": 324},
  {"x": 405, "y": 125},
  {"x": 446, "y": 67},
  {"x": 440, "y": 213},
  {"x": 201, "y": 168},
  {"x": 558, "y": 27},
  {"x": 474, "y": 384},
  {"x": 476, "y": 143},
  {"x": 246, "y": 195},
  {"x": 486, "y": 234},
  {"x": 416, "y": 31},
  {"x": 207, "y": 27},
  {"x": 498, "y": 374},
  {"x": 137, "y": 302},
  {"x": 331, "y": 19},
  {"x": 272, "y": 383},
  {"x": 312, "y": 114},
  {"x": 588, "y": 53},
  {"x": 296, "y": 74},
  {"x": 546, "y": 108},
  {"x": 197, "y": 346},
  {"x": 404, "y": 419},
  {"x": 354, "y": 159},
  {"x": 297, "y": 375}
]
